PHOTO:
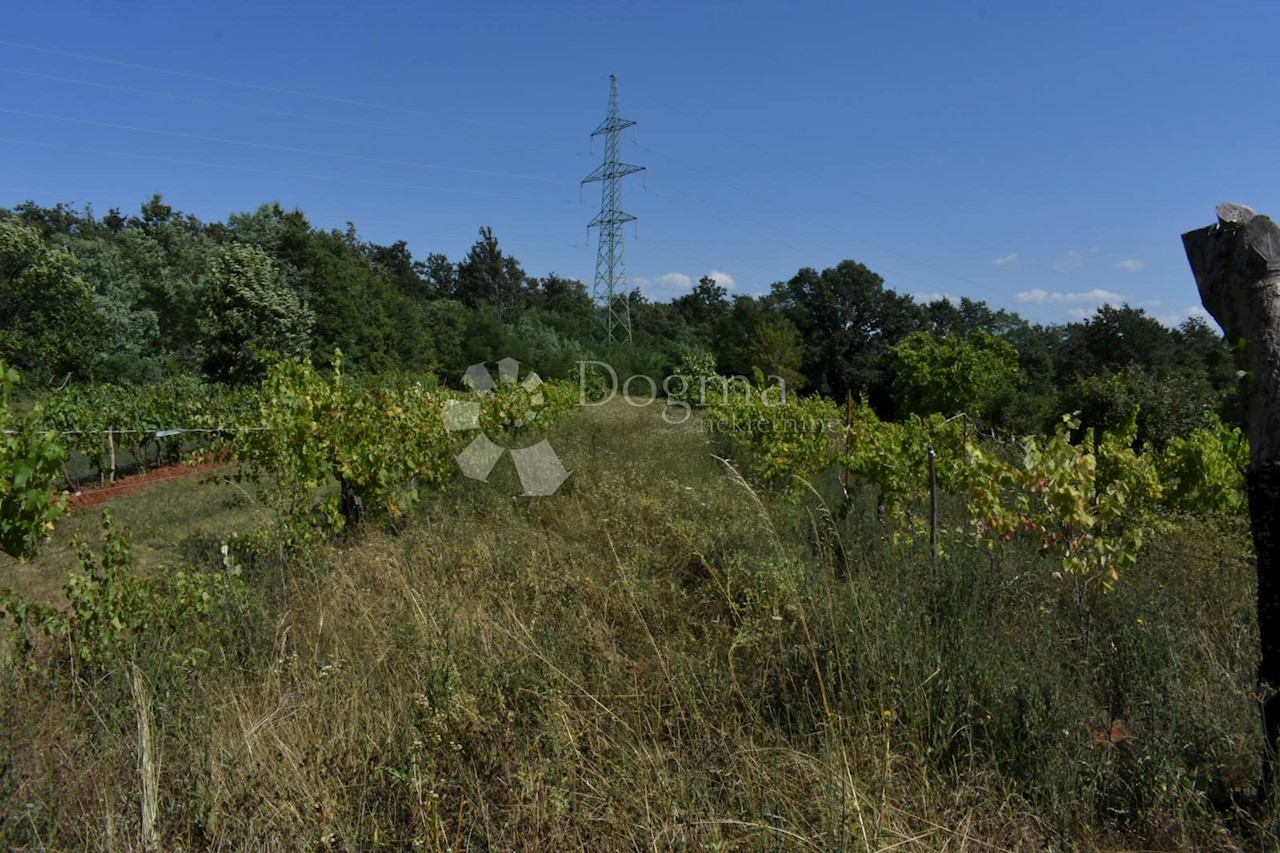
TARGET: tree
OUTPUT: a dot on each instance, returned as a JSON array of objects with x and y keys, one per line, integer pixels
[
  {"x": 953, "y": 374},
  {"x": 848, "y": 321},
  {"x": 171, "y": 255},
  {"x": 488, "y": 277},
  {"x": 707, "y": 303},
  {"x": 48, "y": 321},
  {"x": 776, "y": 352},
  {"x": 566, "y": 297},
  {"x": 1035, "y": 407},
  {"x": 1169, "y": 405},
  {"x": 1202, "y": 349},
  {"x": 395, "y": 263},
  {"x": 440, "y": 274},
  {"x": 129, "y": 338},
  {"x": 1116, "y": 338},
  {"x": 971, "y": 315},
  {"x": 447, "y": 320},
  {"x": 248, "y": 312}
]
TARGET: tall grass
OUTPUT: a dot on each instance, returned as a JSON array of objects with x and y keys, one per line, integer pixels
[{"x": 663, "y": 656}]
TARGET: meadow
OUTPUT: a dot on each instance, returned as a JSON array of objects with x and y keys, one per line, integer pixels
[{"x": 665, "y": 654}]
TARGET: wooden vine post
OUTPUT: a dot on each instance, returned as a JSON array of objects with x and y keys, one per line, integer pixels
[
  {"x": 1236, "y": 263},
  {"x": 111, "y": 454}
]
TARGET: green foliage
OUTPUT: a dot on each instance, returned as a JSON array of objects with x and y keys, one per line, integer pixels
[
  {"x": 48, "y": 320},
  {"x": 248, "y": 312},
  {"x": 311, "y": 430},
  {"x": 1203, "y": 472},
  {"x": 775, "y": 351},
  {"x": 137, "y": 413},
  {"x": 382, "y": 444},
  {"x": 953, "y": 374},
  {"x": 448, "y": 322},
  {"x": 163, "y": 293},
  {"x": 1088, "y": 504},
  {"x": 847, "y": 321},
  {"x": 706, "y": 304},
  {"x": 894, "y": 457},
  {"x": 111, "y": 611},
  {"x": 129, "y": 340},
  {"x": 787, "y": 439},
  {"x": 153, "y": 296},
  {"x": 527, "y": 404},
  {"x": 793, "y": 440},
  {"x": 170, "y": 254},
  {"x": 31, "y": 460},
  {"x": 1169, "y": 403},
  {"x": 547, "y": 344},
  {"x": 487, "y": 276},
  {"x": 1115, "y": 339},
  {"x": 695, "y": 379}
]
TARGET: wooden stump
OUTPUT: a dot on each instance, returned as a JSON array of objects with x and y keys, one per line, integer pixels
[{"x": 1236, "y": 263}]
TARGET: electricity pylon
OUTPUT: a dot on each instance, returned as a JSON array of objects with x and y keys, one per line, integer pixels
[{"x": 613, "y": 302}]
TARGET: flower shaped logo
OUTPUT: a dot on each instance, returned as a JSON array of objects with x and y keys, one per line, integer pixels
[{"x": 539, "y": 468}]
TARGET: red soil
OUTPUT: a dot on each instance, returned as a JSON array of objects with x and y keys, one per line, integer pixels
[{"x": 91, "y": 496}]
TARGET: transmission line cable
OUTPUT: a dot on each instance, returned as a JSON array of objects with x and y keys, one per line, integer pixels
[
  {"x": 273, "y": 147},
  {"x": 255, "y": 169},
  {"x": 285, "y": 113},
  {"x": 896, "y": 275},
  {"x": 701, "y": 259},
  {"x": 842, "y": 232},
  {"x": 318, "y": 214},
  {"x": 274, "y": 89},
  {"x": 846, "y": 187}
]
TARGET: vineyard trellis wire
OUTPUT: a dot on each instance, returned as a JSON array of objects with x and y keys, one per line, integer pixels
[
  {"x": 1089, "y": 498},
  {"x": 382, "y": 440}
]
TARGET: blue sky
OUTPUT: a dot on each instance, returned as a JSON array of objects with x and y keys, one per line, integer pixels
[{"x": 1041, "y": 156}]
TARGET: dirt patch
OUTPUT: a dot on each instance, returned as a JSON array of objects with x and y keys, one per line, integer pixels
[{"x": 98, "y": 495}]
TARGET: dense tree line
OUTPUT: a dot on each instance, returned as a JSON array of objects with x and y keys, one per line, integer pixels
[{"x": 134, "y": 298}]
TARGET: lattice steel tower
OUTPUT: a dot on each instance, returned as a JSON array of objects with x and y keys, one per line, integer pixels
[{"x": 609, "y": 292}]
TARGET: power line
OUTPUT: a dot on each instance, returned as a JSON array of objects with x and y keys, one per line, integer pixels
[
  {"x": 358, "y": 220},
  {"x": 411, "y": 111},
  {"x": 897, "y": 276},
  {"x": 274, "y": 89},
  {"x": 303, "y": 175},
  {"x": 272, "y": 147},
  {"x": 738, "y": 258},
  {"x": 831, "y": 227},
  {"x": 285, "y": 113},
  {"x": 846, "y": 187}
]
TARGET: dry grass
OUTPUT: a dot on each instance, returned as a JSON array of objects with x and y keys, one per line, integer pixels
[
  {"x": 168, "y": 524},
  {"x": 659, "y": 657}
]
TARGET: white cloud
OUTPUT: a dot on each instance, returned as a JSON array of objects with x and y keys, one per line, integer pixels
[
  {"x": 664, "y": 287},
  {"x": 1007, "y": 259},
  {"x": 721, "y": 278},
  {"x": 1130, "y": 265},
  {"x": 1054, "y": 297},
  {"x": 928, "y": 298},
  {"x": 1072, "y": 260},
  {"x": 1175, "y": 318},
  {"x": 674, "y": 279}
]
